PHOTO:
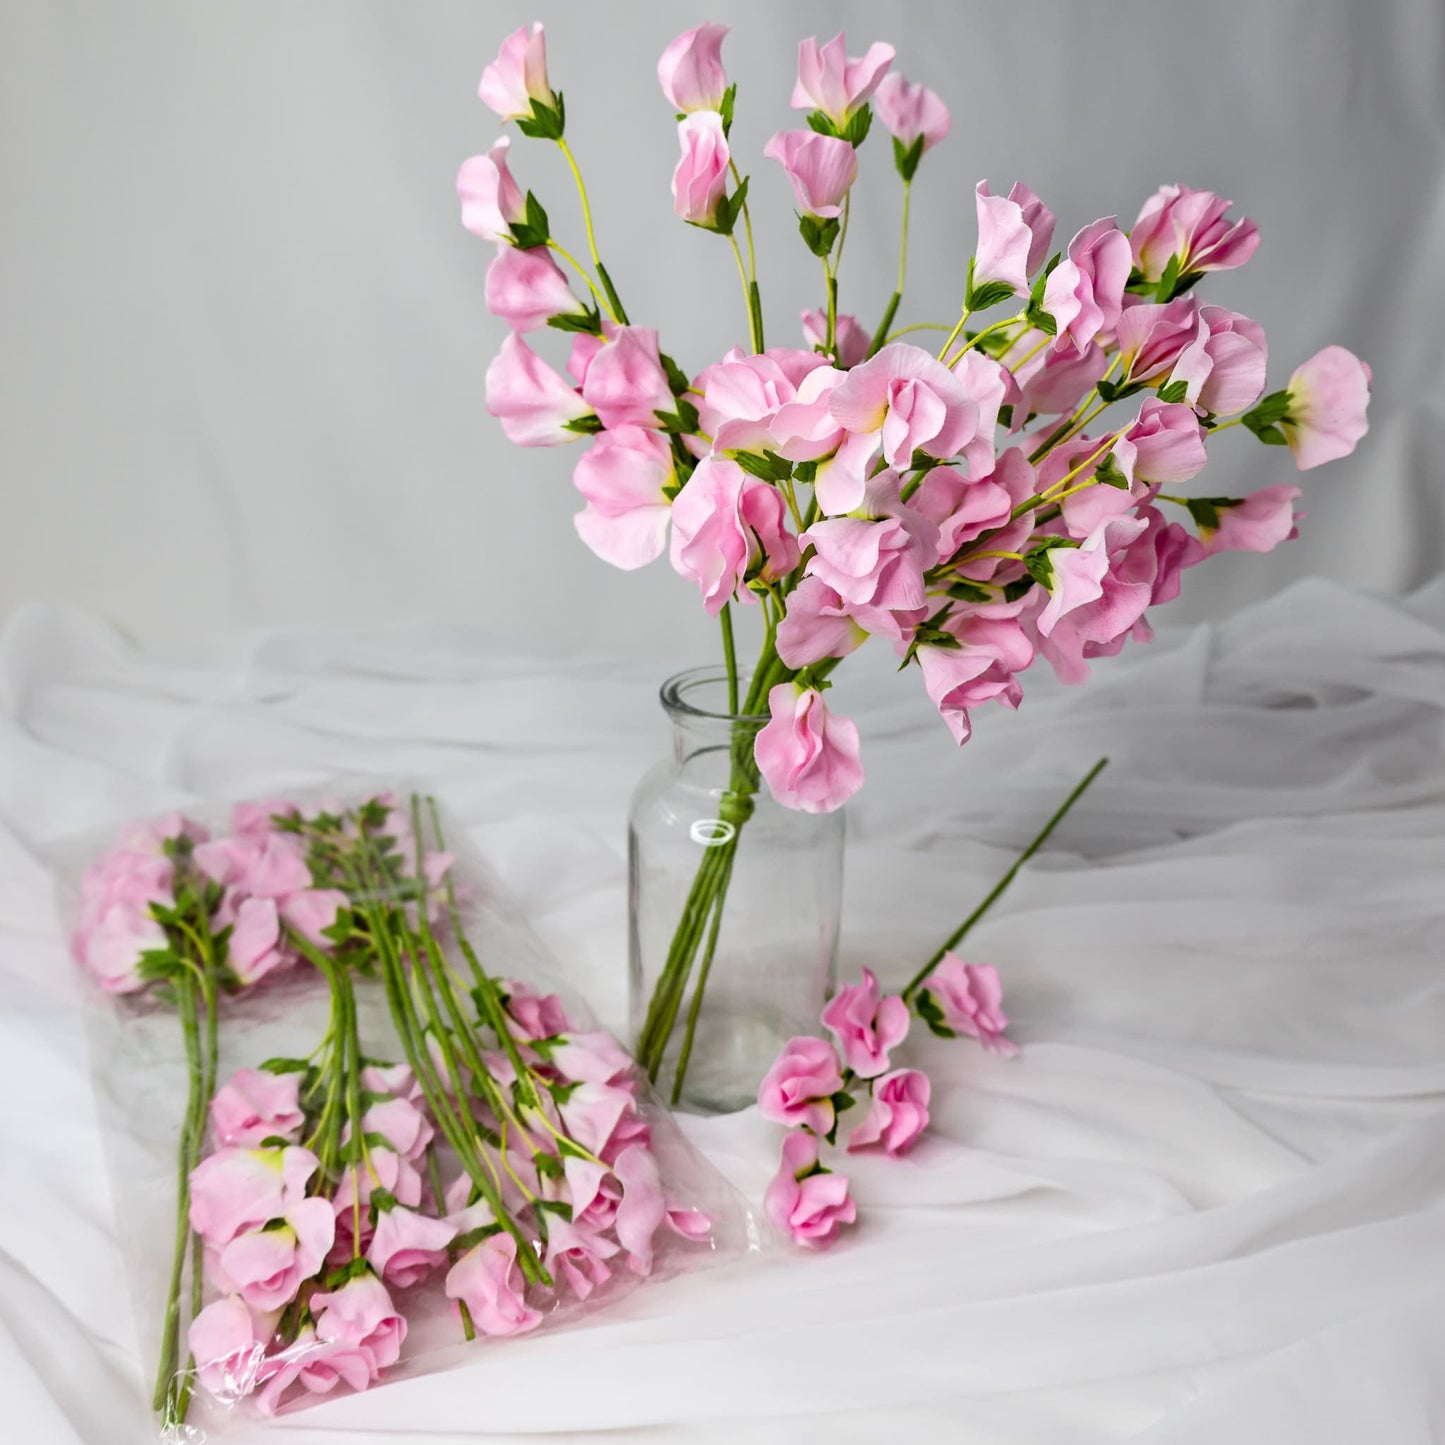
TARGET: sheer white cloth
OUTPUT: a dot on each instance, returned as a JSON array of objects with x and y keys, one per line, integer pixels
[{"x": 1206, "y": 1203}]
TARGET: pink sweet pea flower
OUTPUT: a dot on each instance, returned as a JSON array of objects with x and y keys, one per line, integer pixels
[
  {"x": 1328, "y": 396},
  {"x": 533, "y": 403},
  {"x": 643, "y": 1207},
  {"x": 267, "y": 1267},
  {"x": 831, "y": 81},
  {"x": 798, "y": 1090},
  {"x": 701, "y": 178},
  {"x": 1259, "y": 523},
  {"x": 488, "y": 1281},
  {"x": 534, "y": 1015},
  {"x": 401, "y": 1123},
  {"x": 850, "y": 340},
  {"x": 625, "y": 384},
  {"x": 1152, "y": 339},
  {"x": 113, "y": 946},
  {"x": 317, "y": 1366},
  {"x": 312, "y": 911},
  {"x": 234, "y": 1190},
  {"x": 981, "y": 670},
  {"x": 624, "y": 477},
  {"x": 270, "y": 866},
  {"x": 1164, "y": 444},
  {"x": 1014, "y": 232},
  {"x": 875, "y": 561},
  {"x": 897, "y": 1115},
  {"x": 579, "y": 1256},
  {"x": 1077, "y": 578},
  {"x": 253, "y": 1105},
  {"x": 595, "y": 1114},
  {"x": 910, "y": 111},
  {"x": 1223, "y": 367},
  {"x": 808, "y": 757},
  {"x": 969, "y": 998},
  {"x": 229, "y": 1346},
  {"x": 805, "y": 1201},
  {"x": 491, "y": 199},
  {"x": 1177, "y": 221},
  {"x": 255, "y": 948},
  {"x": 518, "y": 75},
  {"x": 817, "y": 625},
  {"x": 822, "y": 169},
  {"x": 728, "y": 527},
  {"x": 741, "y": 394},
  {"x": 406, "y": 1246},
  {"x": 1085, "y": 293},
  {"x": 911, "y": 400},
  {"x": 360, "y": 1315},
  {"x": 526, "y": 288},
  {"x": 690, "y": 71},
  {"x": 593, "y": 1057},
  {"x": 866, "y": 1025}
]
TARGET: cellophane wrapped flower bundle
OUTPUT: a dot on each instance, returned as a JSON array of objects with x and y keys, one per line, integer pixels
[
  {"x": 394, "y": 1136},
  {"x": 1025, "y": 488}
]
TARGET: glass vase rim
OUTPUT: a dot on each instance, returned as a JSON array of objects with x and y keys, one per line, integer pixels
[{"x": 673, "y": 695}]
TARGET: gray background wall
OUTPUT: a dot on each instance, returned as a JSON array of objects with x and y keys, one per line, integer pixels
[{"x": 243, "y": 335}]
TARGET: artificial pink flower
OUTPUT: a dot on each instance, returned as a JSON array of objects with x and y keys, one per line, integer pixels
[
  {"x": 518, "y": 75},
  {"x": 401, "y": 1123},
  {"x": 254, "y": 1105},
  {"x": 593, "y": 1057},
  {"x": 1152, "y": 339},
  {"x": 526, "y": 288},
  {"x": 488, "y": 1281},
  {"x": 850, "y": 340},
  {"x": 808, "y": 757},
  {"x": 969, "y": 998},
  {"x": 700, "y": 180},
  {"x": 804, "y": 429},
  {"x": 114, "y": 945},
  {"x": 1051, "y": 382},
  {"x": 876, "y": 561},
  {"x": 234, "y": 1190},
  {"x": 897, "y": 1115},
  {"x": 798, "y": 1090},
  {"x": 534, "y": 1015},
  {"x": 980, "y": 670},
  {"x": 406, "y": 1246},
  {"x": 533, "y": 403},
  {"x": 728, "y": 527},
  {"x": 228, "y": 1344},
  {"x": 910, "y": 111},
  {"x": 911, "y": 401},
  {"x": 805, "y": 1201},
  {"x": 643, "y": 1206},
  {"x": 267, "y": 1266},
  {"x": 691, "y": 72},
  {"x": 317, "y": 1366},
  {"x": 1259, "y": 523},
  {"x": 270, "y": 866},
  {"x": 312, "y": 911},
  {"x": 256, "y": 818},
  {"x": 255, "y": 948},
  {"x": 1082, "y": 576},
  {"x": 592, "y": 1189},
  {"x": 988, "y": 386},
  {"x": 1164, "y": 444},
  {"x": 740, "y": 396},
  {"x": 624, "y": 476},
  {"x": 822, "y": 169},
  {"x": 1190, "y": 225},
  {"x": 1328, "y": 396},
  {"x": 831, "y": 81},
  {"x": 1085, "y": 292},
  {"x": 1014, "y": 232},
  {"x": 359, "y": 1314},
  {"x": 963, "y": 508},
  {"x": 626, "y": 385},
  {"x": 595, "y": 1113},
  {"x": 1229, "y": 362},
  {"x": 395, "y": 1079},
  {"x": 579, "y": 1256},
  {"x": 866, "y": 1025},
  {"x": 491, "y": 199},
  {"x": 817, "y": 625},
  {"x": 380, "y": 1169}
]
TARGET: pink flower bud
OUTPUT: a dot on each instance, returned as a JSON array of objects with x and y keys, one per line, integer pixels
[
  {"x": 531, "y": 400},
  {"x": 700, "y": 180},
  {"x": 897, "y": 1115},
  {"x": 821, "y": 168},
  {"x": 491, "y": 199},
  {"x": 807, "y": 1203},
  {"x": 808, "y": 757},
  {"x": 831, "y": 81},
  {"x": 690, "y": 70},
  {"x": 518, "y": 75},
  {"x": 1014, "y": 232},
  {"x": 1190, "y": 226},
  {"x": 910, "y": 111}
]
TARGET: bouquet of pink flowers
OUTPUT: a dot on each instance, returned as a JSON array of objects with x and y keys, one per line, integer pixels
[
  {"x": 342, "y": 1210},
  {"x": 1012, "y": 494}
]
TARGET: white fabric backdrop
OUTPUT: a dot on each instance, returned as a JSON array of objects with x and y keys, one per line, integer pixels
[
  {"x": 243, "y": 331},
  {"x": 1207, "y": 1202}
]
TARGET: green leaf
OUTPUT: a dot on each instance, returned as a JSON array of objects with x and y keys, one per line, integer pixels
[
  {"x": 589, "y": 321},
  {"x": 726, "y": 108},
  {"x": 1206, "y": 510},
  {"x": 842, "y": 1101},
  {"x": 683, "y": 421},
  {"x": 559, "y": 1207},
  {"x": 1040, "y": 320},
  {"x": 1006, "y": 415},
  {"x": 536, "y": 217},
  {"x": 548, "y": 1164},
  {"x": 1118, "y": 390},
  {"x": 588, "y": 425},
  {"x": 1036, "y": 294},
  {"x": 1108, "y": 472},
  {"x": 464, "y": 1243},
  {"x": 768, "y": 467},
  {"x": 969, "y": 592},
  {"x": 819, "y": 122},
  {"x": 806, "y": 471},
  {"x": 1019, "y": 587},
  {"x": 1272, "y": 436},
  {"x": 906, "y": 158},
  {"x": 1267, "y": 411},
  {"x": 1165, "y": 289},
  {"x": 283, "y": 1065},
  {"x": 1037, "y": 561},
  {"x": 1174, "y": 391},
  {"x": 677, "y": 380},
  {"x": 989, "y": 294},
  {"x": 859, "y": 124},
  {"x": 818, "y": 234},
  {"x": 383, "y": 1201},
  {"x": 546, "y": 122}
]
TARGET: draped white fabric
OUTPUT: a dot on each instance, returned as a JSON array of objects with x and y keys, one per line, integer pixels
[{"x": 1206, "y": 1203}]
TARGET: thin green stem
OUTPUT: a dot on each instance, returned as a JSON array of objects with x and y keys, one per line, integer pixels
[
  {"x": 961, "y": 932},
  {"x": 603, "y": 301},
  {"x": 730, "y": 655},
  {"x": 747, "y": 295},
  {"x": 954, "y": 334},
  {"x": 619, "y": 314}
]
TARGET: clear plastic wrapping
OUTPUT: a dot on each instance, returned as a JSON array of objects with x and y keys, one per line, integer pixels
[{"x": 353, "y": 1125}]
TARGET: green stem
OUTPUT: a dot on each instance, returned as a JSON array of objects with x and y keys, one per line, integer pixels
[
  {"x": 955, "y": 333},
  {"x": 961, "y": 932},
  {"x": 685, "y": 1054},
  {"x": 880, "y": 336},
  {"x": 730, "y": 656}
]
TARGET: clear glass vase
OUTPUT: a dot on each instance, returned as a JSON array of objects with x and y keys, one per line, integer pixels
[{"x": 733, "y": 906}]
